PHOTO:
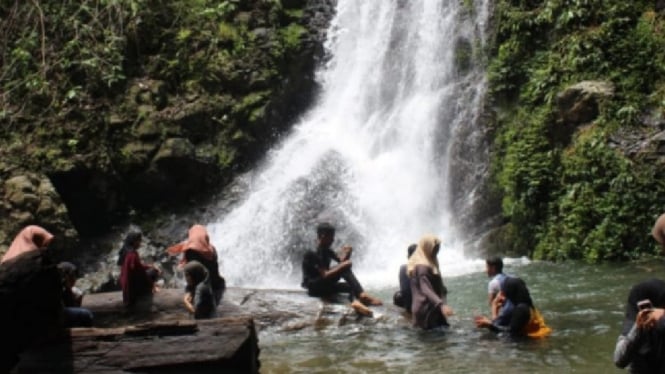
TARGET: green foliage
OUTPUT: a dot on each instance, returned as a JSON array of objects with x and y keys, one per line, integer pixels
[
  {"x": 526, "y": 173},
  {"x": 582, "y": 199},
  {"x": 606, "y": 205},
  {"x": 292, "y": 34}
]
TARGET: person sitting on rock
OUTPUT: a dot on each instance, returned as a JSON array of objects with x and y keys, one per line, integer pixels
[
  {"x": 428, "y": 306},
  {"x": 402, "y": 298},
  {"x": 321, "y": 280},
  {"x": 137, "y": 279},
  {"x": 199, "y": 299},
  {"x": 72, "y": 298},
  {"x": 197, "y": 247},
  {"x": 522, "y": 320},
  {"x": 31, "y": 238}
]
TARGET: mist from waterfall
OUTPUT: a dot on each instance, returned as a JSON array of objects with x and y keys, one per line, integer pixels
[{"x": 401, "y": 92}]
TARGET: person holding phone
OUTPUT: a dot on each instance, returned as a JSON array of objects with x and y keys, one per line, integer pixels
[{"x": 641, "y": 344}]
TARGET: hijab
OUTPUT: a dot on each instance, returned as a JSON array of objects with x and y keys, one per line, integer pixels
[
  {"x": 29, "y": 239},
  {"x": 197, "y": 240},
  {"x": 516, "y": 291},
  {"x": 424, "y": 255},
  {"x": 128, "y": 245}
]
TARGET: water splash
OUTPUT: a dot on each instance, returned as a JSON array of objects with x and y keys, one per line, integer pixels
[{"x": 373, "y": 155}]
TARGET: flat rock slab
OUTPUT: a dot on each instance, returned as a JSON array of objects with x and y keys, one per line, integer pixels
[
  {"x": 226, "y": 345},
  {"x": 270, "y": 309}
]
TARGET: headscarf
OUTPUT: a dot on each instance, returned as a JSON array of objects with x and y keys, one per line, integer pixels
[
  {"x": 516, "y": 291},
  {"x": 652, "y": 289},
  {"x": 424, "y": 255},
  {"x": 128, "y": 245},
  {"x": 197, "y": 240},
  {"x": 197, "y": 271},
  {"x": 27, "y": 240}
]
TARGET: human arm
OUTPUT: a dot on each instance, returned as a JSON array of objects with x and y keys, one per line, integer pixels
[
  {"x": 626, "y": 347},
  {"x": 335, "y": 270},
  {"x": 649, "y": 318},
  {"x": 628, "y": 344},
  {"x": 426, "y": 288},
  {"x": 77, "y": 296},
  {"x": 188, "y": 299},
  {"x": 345, "y": 253},
  {"x": 506, "y": 320},
  {"x": 496, "y": 305},
  {"x": 493, "y": 289}
]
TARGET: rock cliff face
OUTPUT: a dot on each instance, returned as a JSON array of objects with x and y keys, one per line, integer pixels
[
  {"x": 162, "y": 103},
  {"x": 576, "y": 92}
]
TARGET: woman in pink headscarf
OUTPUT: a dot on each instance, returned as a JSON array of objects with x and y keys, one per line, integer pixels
[
  {"x": 197, "y": 247},
  {"x": 31, "y": 238}
]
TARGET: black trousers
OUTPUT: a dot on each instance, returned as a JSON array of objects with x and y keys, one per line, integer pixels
[{"x": 328, "y": 286}]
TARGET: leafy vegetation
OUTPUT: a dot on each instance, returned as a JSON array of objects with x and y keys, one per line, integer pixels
[
  {"x": 63, "y": 63},
  {"x": 582, "y": 196}
]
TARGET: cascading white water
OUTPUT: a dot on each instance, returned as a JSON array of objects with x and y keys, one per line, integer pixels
[{"x": 373, "y": 155}]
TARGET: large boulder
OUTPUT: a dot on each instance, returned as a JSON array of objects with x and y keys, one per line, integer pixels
[
  {"x": 30, "y": 198},
  {"x": 578, "y": 104}
]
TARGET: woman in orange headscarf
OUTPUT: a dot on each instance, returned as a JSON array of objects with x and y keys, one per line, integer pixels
[
  {"x": 428, "y": 305},
  {"x": 31, "y": 238},
  {"x": 197, "y": 247}
]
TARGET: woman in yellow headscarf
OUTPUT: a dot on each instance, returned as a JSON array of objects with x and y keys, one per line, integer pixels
[{"x": 428, "y": 305}]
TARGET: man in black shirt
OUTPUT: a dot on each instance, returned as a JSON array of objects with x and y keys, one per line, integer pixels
[{"x": 321, "y": 280}]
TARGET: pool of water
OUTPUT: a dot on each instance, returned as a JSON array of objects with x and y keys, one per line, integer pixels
[{"x": 583, "y": 304}]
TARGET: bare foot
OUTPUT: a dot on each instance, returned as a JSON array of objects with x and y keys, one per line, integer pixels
[
  {"x": 369, "y": 300},
  {"x": 360, "y": 308}
]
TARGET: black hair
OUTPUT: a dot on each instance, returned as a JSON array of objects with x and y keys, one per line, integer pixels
[
  {"x": 132, "y": 237},
  {"x": 411, "y": 249},
  {"x": 497, "y": 262},
  {"x": 325, "y": 228}
]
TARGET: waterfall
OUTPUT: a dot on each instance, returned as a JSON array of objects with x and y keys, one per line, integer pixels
[{"x": 399, "y": 106}]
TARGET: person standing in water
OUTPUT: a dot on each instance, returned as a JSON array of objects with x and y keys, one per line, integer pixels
[
  {"x": 429, "y": 306},
  {"x": 402, "y": 298},
  {"x": 522, "y": 320},
  {"x": 322, "y": 280}
]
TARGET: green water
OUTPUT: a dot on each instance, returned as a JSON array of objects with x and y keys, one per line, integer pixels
[{"x": 582, "y": 303}]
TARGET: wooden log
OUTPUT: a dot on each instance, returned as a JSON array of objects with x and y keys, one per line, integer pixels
[{"x": 227, "y": 345}]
